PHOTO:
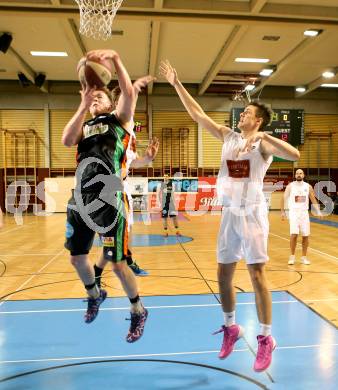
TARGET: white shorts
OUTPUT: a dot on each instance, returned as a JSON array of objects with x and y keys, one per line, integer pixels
[
  {"x": 127, "y": 191},
  {"x": 299, "y": 222},
  {"x": 243, "y": 236}
]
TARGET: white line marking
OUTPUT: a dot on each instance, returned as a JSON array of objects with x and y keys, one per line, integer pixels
[
  {"x": 156, "y": 307},
  {"x": 334, "y": 258},
  {"x": 17, "y": 227},
  {"x": 309, "y": 346},
  {"x": 27, "y": 254},
  {"x": 150, "y": 355},
  {"x": 33, "y": 276},
  {"x": 128, "y": 308},
  {"x": 115, "y": 356},
  {"x": 320, "y": 300}
]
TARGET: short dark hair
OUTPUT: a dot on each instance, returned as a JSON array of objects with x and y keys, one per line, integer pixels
[
  {"x": 115, "y": 93},
  {"x": 264, "y": 112},
  {"x": 108, "y": 93}
]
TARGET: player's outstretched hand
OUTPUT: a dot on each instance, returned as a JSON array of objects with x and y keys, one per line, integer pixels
[
  {"x": 167, "y": 71},
  {"x": 152, "y": 148},
  {"x": 142, "y": 82},
  {"x": 251, "y": 140},
  {"x": 283, "y": 215}
]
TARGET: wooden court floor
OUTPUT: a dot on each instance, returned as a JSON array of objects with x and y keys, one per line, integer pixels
[{"x": 35, "y": 265}]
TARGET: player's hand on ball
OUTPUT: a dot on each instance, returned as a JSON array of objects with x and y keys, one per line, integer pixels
[
  {"x": 167, "y": 71},
  {"x": 87, "y": 95},
  {"x": 102, "y": 54}
]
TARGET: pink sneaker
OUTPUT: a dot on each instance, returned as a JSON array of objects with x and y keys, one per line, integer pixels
[
  {"x": 266, "y": 345},
  {"x": 231, "y": 335},
  {"x": 136, "y": 329}
]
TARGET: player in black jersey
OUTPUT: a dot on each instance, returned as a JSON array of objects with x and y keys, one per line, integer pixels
[
  {"x": 134, "y": 160},
  {"x": 167, "y": 199},
  {"x": 98, "y": 203}
]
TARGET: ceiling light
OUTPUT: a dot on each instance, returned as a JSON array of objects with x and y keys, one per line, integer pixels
[
  {"x": 300, "y": 89},
  {"x": 330, "y": 85},
  {"x": 259, "y": 60},
  {"x": 311, "y": 33},
  {"x": 49, "y": 53},
  {"x": 268, "y": 70},
  {"x": 249, "y": 87},
  {"x": 328, "y": 74}
]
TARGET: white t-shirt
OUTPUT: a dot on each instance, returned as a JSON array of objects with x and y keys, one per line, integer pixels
[
  {"x": 299, "y": 196},
  {"x": 131, "y": 148},
  {"x": 240, "y": 178}
]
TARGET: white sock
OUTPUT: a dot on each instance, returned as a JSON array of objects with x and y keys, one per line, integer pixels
[
  {"x": 303, "y": 258},
  {"x": 137, "y": 307},
  {"x": 229, "y": 318},
  {"x": 265, "y": 330},
  {"x": 292, "y": 257}
]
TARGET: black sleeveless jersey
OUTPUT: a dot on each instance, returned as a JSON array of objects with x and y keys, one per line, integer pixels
[{"x": 101, "y": 151}]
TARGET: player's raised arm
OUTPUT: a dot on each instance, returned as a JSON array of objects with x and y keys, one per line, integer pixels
[
  {"x": 274, "y": 146},
  {"x": 194, "y": 109},
  {"x": 72, "y": 133},
  {"x": 127, "y": 102},
  {"x": 149, "y": 154}
]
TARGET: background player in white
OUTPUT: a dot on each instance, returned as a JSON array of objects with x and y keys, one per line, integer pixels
[
  {"x": 296, "y": 196},
  {"x": 134, "y": 161},
  {"x": 244, "y": 226}
]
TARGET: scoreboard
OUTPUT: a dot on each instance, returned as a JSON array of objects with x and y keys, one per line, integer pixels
[{"x": 287, "y": 125}]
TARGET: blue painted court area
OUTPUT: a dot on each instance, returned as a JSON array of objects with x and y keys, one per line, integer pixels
[
  {"x": 152, "y": 217},
  {"x": 324, "y": 222},
  {"x": 46, "y": 345},
  {"x": 152, "y": 240}
]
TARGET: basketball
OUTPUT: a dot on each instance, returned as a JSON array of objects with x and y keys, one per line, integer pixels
[{"x": 94, "y": 72}]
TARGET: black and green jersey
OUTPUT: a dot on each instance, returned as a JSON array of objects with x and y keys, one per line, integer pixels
[{"x": 103, "y": 146}]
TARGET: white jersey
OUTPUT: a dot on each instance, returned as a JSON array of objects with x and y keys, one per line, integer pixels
[
  {"x": 299, "y": 196},
  {"x": 131, "y": 150},
  {"x": 240, "y": 178}
]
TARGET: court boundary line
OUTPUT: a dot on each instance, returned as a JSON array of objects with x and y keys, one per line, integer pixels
[
  {"x": 33, "y": 276},
  {"x": 157, "y": 354},
  {"x": 148, "y": 307},
  {"x": 312, "y": 309},
  {"x": 17, "y": 228},
  {"x": 334, "y": 258}
]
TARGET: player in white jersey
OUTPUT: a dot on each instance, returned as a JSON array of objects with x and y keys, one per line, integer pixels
[
  {"x": 244, "y": 227},
  {"x": 297, "y": 195},
  {"x": 135, "y": 161}
]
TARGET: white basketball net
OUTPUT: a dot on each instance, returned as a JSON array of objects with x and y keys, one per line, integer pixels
[{"x": 96, "y": 17}]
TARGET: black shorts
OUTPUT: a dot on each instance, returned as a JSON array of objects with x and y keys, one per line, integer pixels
[
  {"x": 169, "y": 213},
  {"x": 110, "y": 222}
]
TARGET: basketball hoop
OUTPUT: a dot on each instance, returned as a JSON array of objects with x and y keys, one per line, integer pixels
[{"x": 96, "y": 17}]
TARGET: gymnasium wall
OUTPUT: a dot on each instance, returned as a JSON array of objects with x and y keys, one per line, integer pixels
[{"x": 49, "y": 120}]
